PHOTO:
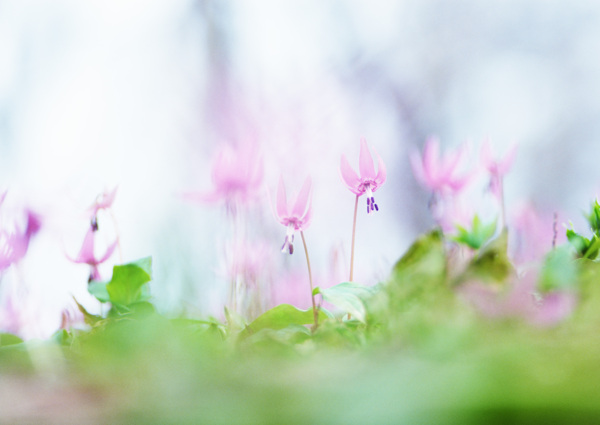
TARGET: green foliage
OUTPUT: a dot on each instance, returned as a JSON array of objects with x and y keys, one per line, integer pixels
[
  {"x": 478, "y": 235},
  {"x": 127, "y": 283},
  {"x": 584, "y": 247},
  {"x": 411, "y": 350},
  {"x": 282, "y": 316},
  {"x": 350, "y": 297},
  {"x": 491, "y": 263},
  {"x": 559, "y": 271}
]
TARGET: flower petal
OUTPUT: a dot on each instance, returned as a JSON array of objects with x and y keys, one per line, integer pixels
[
  {"x": 349, "y": 175},
  {"x": 431, "y": 161},
  {"x": 381, "y": 170},
  {"x": 108, "y": 253},
  {"x": 505, "y": 164},
  {"x": 302, "y": 201},
  {"x": 282, "y": 209},
  {"x": 365, "y": 161}
]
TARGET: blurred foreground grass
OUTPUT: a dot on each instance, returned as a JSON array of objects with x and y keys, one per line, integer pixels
[{"x": 421, "y": 356}]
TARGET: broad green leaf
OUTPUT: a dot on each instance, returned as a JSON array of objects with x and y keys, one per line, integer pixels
[
  {"x": 90, "y": 319},
  {"x": 126, "y": 285},
  {"x": 282, "y": 316},
  {"x": 350, "y": 297},
  {"x": 98, "y": 290},
  {"x": 9, "y": 339}
]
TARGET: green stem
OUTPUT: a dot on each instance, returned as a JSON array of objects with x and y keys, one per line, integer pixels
[
  {"x": 353, "y": 239},
  {"x": 310, "y": 281}
]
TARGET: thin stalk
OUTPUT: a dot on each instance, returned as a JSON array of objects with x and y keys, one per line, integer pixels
[
  {"x": 310, "y": 281},
  {"x": 502, "y": 205},
  {"x": 353, "y": 239}
]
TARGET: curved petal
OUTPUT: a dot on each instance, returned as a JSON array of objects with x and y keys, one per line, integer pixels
[
  {"x": 307, "y": 218},
  {"x": 349, "y": 175},
  {"x": 431, "y": 156},
  {"x": 108, "y": 253},
  {"x": 506, "y": 163},
  {"x": 486, "y": 155},
  {"x": 365, "y": 161},
  {"x": 302, "y": 201},
  {"x": 381, "y": 170},
  {"x": 282, "y": 210},
  {"x": 86, "y": 253}
]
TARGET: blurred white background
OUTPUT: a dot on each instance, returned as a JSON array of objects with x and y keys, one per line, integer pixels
[{"x": 141, "y": 95}]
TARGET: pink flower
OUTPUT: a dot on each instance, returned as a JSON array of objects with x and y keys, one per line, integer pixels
[
  {"x": 103, "y": 201},
  {"x": 497, "y": 168},
  {"x": 438, "y": 174},
  {"x": 14, "y": 243},
  {"x": 533, "y": 234},
  {"x": 86, "y": 254},
  {"x": 369, "y": 181},
  {"x": 237, "y": 175},
  {"x": 298, "y": 218},
  {"x": 521, "y": 300}
]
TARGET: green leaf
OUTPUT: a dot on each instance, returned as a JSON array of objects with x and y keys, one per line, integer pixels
[
  {"x": 559, "y": 270},
  {"x": 480, "y": 233},
  {"x": 492, "y": 263},
  {"x": 594, "y": 217},
  {"x": 350, "y": 297},
  {"x": 282, "y": 316},
  {"x": 126, "y": 285},
  {"x": 98, "y": 290},
  {"x": 9, "y": 339},
  {"x": 90, "y": 319}
]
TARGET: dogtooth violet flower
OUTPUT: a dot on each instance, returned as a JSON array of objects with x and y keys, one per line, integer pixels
[
  {"x": 14, "y": 240},
  {"x": 369, "y": 181},
  {"x": 86, "y": 254},
  {"x": 299, "y": 217},
  {"x": 237, "y": 175},
  {"x": 439, "y": 174},
  {"x": 497, "y": 168},
  {"x": 103, "y": 202}
]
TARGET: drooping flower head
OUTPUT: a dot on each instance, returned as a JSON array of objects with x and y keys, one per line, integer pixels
[
  {"x": 296, "y": 218},
  {"x": 87, "y": 256},
  {"x": 439, "y": 173},
  {"x": 237, "y": 175},
  {"x": 103, "y": 201},
  {"x": 369, "y": 181},
  {"x": 497, "y": 168},
  {"x": 16, "y": 231}
]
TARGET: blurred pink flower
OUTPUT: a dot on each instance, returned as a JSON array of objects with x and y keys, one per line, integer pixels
[
  {"x": 299, "y": 217},
  {"x": 237, "y": 175},
  {"x": 86, "y": 254},
  {"x": 439, "y": 174},
  {"x": 104, "y": 201},
  {"x": 520, "y": 300},
  {"x": 369, "y": 181},
  {"x": 497, "y": 168},
  {"x": 533, "y": 235},
  {"x": 15, "y": 242}
]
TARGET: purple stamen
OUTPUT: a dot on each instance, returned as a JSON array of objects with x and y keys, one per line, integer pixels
[
  {"x": 291, "y": 249},
  {"x": 376, "y": 207}
]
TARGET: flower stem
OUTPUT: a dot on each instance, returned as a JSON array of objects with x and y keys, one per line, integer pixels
[
  {"x": 310, "y": 281},
  {"x": 353, "y": 239}
]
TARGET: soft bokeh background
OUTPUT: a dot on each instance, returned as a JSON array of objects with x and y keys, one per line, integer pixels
[{"x": 141, "y": 94}]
